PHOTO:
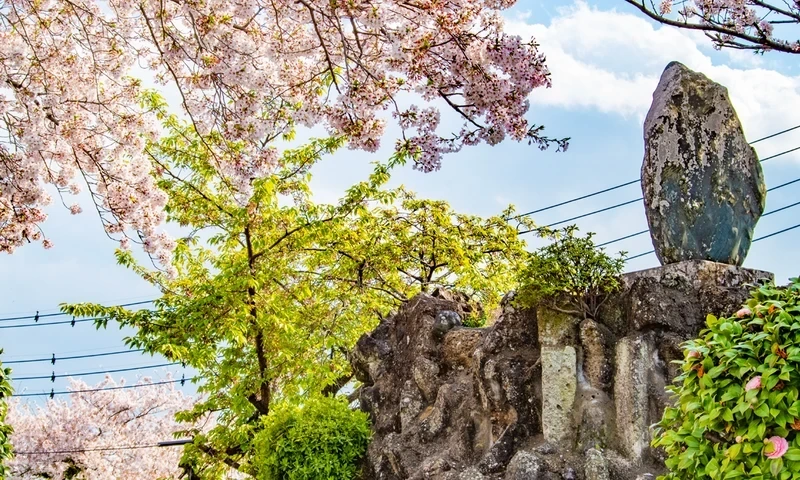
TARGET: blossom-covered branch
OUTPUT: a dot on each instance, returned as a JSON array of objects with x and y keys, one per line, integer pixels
[
  {"x": 100, "y": 434},
  {"x": 72, "y": 74},
  {"x": 738, "y": 24}
]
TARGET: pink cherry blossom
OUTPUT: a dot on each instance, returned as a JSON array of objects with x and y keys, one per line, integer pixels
[
  {"x": 739, "y": 24},
  {"x": 96, "y": 420},
  {"x": 744, "y": 312},
  {"x": 779, "y": 447},
  {"x": 248, "y": 72},
  {"x": 753, "y": 384}
]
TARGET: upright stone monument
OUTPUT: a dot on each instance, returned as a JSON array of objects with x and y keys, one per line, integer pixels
[{"x": 702, "y": 182}]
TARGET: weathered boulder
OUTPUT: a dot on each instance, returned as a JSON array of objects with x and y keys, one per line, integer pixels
[
  {"x": 534, "y": 396},
  {"x": 702, "y": 182}
]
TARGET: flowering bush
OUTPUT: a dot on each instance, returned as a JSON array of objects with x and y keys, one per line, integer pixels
[
  {"x": 738, "y": 399},
  {"x": 322, "y": 439}
]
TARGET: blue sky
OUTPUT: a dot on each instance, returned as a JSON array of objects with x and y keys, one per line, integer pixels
[{"x": 605, "y": 60}]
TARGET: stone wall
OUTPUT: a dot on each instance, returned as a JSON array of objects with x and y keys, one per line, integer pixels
[{"x": 538, "y": 394}]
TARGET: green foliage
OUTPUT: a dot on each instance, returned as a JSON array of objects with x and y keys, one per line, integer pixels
[
  {"x": 477, "y": 320},
  {"x": 570, "y": 274},
  {"x": 272, "y": 290},
  {"x": 6, "y": 451},
  {"x": 322, "y": 439},
  {"x": 718, "y": 427}
]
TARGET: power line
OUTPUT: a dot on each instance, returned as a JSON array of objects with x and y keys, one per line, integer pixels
[
  {"x": 575, "y": 199},
  {"x": 640, "y": 198},
  {"x": 775, "y": 134},
  {"x": 763, "y": 237},
  {"x": 52, "y": 393},
  {"x": 84, "y": 450},
  {"x": 53, "y": 359},
  {"x": 37, "y": 316},
  {"x": 52, "y": 377},
  {"x": 168, "y": 443},
  {"x": 622, "y": 238},
  {"x": 595, "y": 212},
  {"x": 762, "y": 216},
  {"x": 49, "y": 324},
  {"x": 776, "y": 233},
  {"x": 566, "y": 202}
]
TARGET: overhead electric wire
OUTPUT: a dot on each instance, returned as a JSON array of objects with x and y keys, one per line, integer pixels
[
  {"x": 49, "y": 324},
  {"x": 84, "y": 450},
  {"x": 52, "y": 393},
  {"x": 754, "y": 240},
  {"x": 37, "y": 316},
  {"x": 636, "y": 200},
  {"x": 776, "y": 233},
  {"x": 625, "y": 184},
  {"x": 575, "y": 199},
  {"x": 775, "y": 134},
  {"x": 762, "y": 216},
  {"x": 168, "y": 443},
  {"x": 53, "y": 359},
  {"x": 53, "y": 376}
]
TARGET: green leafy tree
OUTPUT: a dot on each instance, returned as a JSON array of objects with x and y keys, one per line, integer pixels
[
  {"x": 569, "y": 275},
  {"x": 737, "y": 411},
  {"x": 6, "y": 451},
  {"x": 270, "y": 290}
]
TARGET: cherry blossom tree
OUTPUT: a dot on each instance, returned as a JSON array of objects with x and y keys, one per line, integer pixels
[
  {"x": 758, "y": 25},
  {"x": 102, "y": 435},
  {"x": 250, "y": 71}
]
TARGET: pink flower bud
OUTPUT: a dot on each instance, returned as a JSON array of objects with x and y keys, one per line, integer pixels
[
  {"x": 745, "y": 312},
  {"x": 693, "y": 354},
  {"x": 753, "y": 384},
  {"x": 739, "y": 439}
]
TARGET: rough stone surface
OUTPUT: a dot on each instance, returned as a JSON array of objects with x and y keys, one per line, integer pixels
[
  {"x": 559, "y": 383},
  {"x": 630, "y": 390},
  {"x": 445, "y": 321},
  {"x": 702, "y": 183},
  {"x": 524, "y": 466},
  {"x": 556, "y": 328},
  {"x": 596, "y": 466},
  {"x": 595, "y": 363},
  {"x": 482, "y": 403}
]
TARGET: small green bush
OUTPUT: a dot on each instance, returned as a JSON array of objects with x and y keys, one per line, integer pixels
[
  {"x": 6, "y": 451},
  {"x": 570, "y": 274},
  {"x": 322, "y": 439},
  {"x": 737, "y": 411}
]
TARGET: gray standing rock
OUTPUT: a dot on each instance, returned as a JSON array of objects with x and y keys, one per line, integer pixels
[
  {"x": 524, "y": 466},
  {"x": 702, "y": 182}
]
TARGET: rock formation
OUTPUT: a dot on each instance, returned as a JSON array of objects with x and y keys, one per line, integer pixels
[
  {"x": 538, "y": 394},
  {"x": 702, "y": 183}
]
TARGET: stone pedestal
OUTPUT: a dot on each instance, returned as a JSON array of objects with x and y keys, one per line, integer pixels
[{"x": 537, "y": 394}]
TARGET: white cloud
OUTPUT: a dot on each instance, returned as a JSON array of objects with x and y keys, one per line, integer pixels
[{"x": 610, "y": 61}]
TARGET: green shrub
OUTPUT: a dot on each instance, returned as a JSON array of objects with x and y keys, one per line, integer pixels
[
  {"x": 476, "y": 320},
  {"x": 570, "y": 274},
  {"x": 322, "y": 439},
  {"x": 737, "y": 411},
  {"x": 6, "y": 451}
]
